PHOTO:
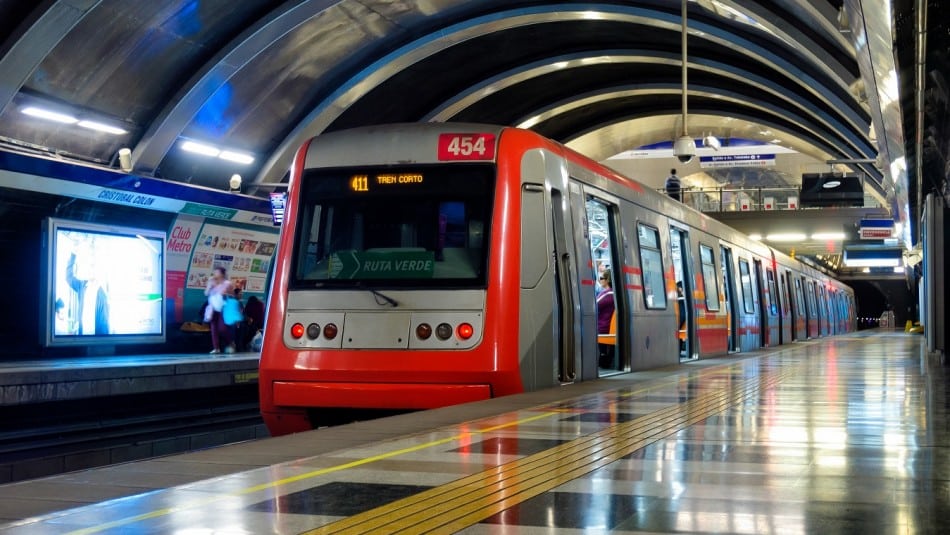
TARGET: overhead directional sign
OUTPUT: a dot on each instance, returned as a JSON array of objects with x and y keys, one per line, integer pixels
[
  {"x": 737, "y": 160},
  {"x": 876, "y": 229},
  {"x": 382, "y": 265}
]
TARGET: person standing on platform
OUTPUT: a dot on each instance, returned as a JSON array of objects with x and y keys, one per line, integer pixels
[
  {"x": 673, "y": 186},
  {"x": 219, "y": 287}
]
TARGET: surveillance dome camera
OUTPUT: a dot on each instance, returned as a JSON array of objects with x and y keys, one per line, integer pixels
[
  {"x": 684, "y": 148},
  {"x": 235, "y": 182}
]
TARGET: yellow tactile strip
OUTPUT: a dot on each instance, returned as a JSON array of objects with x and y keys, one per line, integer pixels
[{"x": 467, "y": 501}]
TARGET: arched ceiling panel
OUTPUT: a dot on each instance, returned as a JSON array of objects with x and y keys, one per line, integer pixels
[{"x": 263, "y": 75}]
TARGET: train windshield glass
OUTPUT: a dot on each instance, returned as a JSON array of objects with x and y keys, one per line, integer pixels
[{"x": 404, "y": 226}]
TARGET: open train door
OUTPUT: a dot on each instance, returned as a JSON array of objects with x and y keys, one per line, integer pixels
[
  {"x": 682, "y": 264},
  {"x": 605, "y": 246}
]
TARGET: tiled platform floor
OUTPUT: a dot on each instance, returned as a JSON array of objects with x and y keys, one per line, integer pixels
[{"x": 841, "y": 435}]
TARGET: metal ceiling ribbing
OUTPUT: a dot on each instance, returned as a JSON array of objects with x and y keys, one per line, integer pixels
[{"x": 262, "y": 76}]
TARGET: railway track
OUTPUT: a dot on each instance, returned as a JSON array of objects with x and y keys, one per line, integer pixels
[{"x": 53, "y": 438}]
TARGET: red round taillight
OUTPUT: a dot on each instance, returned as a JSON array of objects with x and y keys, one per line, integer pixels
[
  {"x": 329, "y": 331},
  {"x": 465, "y": 331},
  {"x": 423, "y": 331},
  {"x": 297, "y": 330}
]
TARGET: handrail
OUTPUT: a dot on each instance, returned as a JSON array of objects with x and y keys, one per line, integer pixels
[{"x": 747, "y": 199}]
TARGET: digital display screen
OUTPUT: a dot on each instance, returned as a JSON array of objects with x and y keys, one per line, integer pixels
[
  {"x": 105, "y": 284},
  {"x": 364, "y": 183},
  {"x": 278, "y": 201}
]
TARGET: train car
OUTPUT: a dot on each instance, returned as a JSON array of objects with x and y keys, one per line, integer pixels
[{"x": 423, "y": 265}]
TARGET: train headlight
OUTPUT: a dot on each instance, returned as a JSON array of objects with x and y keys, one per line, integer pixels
[
  {"x": 443, "y": 331},
  {"x": 465, "y": 331},
  {"x": 423, "y": 331},
  {"x": 297, "y": 330},
  {"x": 330, "y": 331},
  {"x": 313, "y": 331}
]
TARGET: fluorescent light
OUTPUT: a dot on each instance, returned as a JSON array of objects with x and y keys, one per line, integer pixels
[
  {"x": 199, "y": 148},
  {"x": 100, "y": 127},
  {"x": 835, "y": 236},
  {"x": 756, "y": 237},
  {"x": 49, "y": 115},
  {"x": 899, "y": 269},
  {"x": 872, "y": 262},
  {"x": 790, "y": 236},
  {"x": 238, "y": 157}
]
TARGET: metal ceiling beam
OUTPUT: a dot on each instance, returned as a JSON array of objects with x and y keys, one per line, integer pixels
[
  {"x": 375, "y": 74},
  {"x": 798, "y": 107},
  {"x": 181, "y": 110},
  {"x": 34, "y": 40}
]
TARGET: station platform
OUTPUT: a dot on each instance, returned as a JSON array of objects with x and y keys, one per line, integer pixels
[
  {"x": 63, "y": 379},
  {"x": 847, "y": 434}
]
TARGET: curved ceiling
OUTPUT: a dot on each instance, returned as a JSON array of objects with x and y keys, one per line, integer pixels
[{"x": 259, "y": 77}]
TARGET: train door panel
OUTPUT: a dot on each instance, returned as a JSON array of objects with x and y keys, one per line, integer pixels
[
  {"x": 685, "y": 295},
  {"x": 762, "y": 318},
  {"x": 802, "y": 328},
  {"x": 749, "y": 336},
  {"x": 822, "y": 308},
  {"x": 731, "y": 301},
  {"x": 711, "y": 323},
  {"x": 795, "y": 311},
  {"x": 540, "y": 322},
  {"x": 653, "y": 342},
  {"x": 771, "y": 305},
  {"x": 566, "y": 298},
  {"x": 608, "y": 299},
  {"x": 812, "y": 309},
  {"x": 785, "y": 316}
]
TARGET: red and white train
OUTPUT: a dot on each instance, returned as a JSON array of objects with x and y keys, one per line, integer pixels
[{"x": 424, "y": 265}]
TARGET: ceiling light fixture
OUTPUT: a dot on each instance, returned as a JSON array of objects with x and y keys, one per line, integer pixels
[
  {"x": 200, "y": 148},
  {"x": 101, "y": 127},
  {"x": 238, "y": 157},
  {"x": 786, "y": 237},
  {"x": 49, "y": 115},
  {"x": 872, "y": 262},
  {"x": 835, "y": 236}
]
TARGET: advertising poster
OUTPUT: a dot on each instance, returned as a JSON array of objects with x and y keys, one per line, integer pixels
[
  {"x": 245, "y": 254},
  {"x": 178, "y": 249},
  {"x": 106, "y": 283}
]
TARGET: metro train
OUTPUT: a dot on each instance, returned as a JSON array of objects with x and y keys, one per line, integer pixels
[{"x": 424, "y": 265}]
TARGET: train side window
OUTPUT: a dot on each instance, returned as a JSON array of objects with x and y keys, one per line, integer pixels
[
  {"x": 651, "y": 264},
  {"x": 745, "y": 277},
  {"x": 710, "y": 284},
  {"x": 773, "y": 292}
]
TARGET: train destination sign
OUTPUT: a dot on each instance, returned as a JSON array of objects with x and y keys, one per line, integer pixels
[
  {"x": 364, "y": 182},
  {"x": 382, "y": 265}
]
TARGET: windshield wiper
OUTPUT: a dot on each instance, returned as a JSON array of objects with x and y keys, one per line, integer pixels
[{"x": 386, "y": 299}]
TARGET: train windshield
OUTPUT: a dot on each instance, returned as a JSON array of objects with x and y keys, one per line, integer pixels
[{"x": 423, "y": 225}]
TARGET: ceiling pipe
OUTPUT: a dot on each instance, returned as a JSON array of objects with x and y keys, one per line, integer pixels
[{"x": 684, "y": 147}]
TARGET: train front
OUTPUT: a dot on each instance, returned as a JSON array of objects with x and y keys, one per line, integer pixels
[{"x": 381, "y": 290}]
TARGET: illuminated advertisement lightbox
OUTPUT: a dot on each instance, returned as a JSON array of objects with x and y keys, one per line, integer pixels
[{"x": 104, "y": 284}]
